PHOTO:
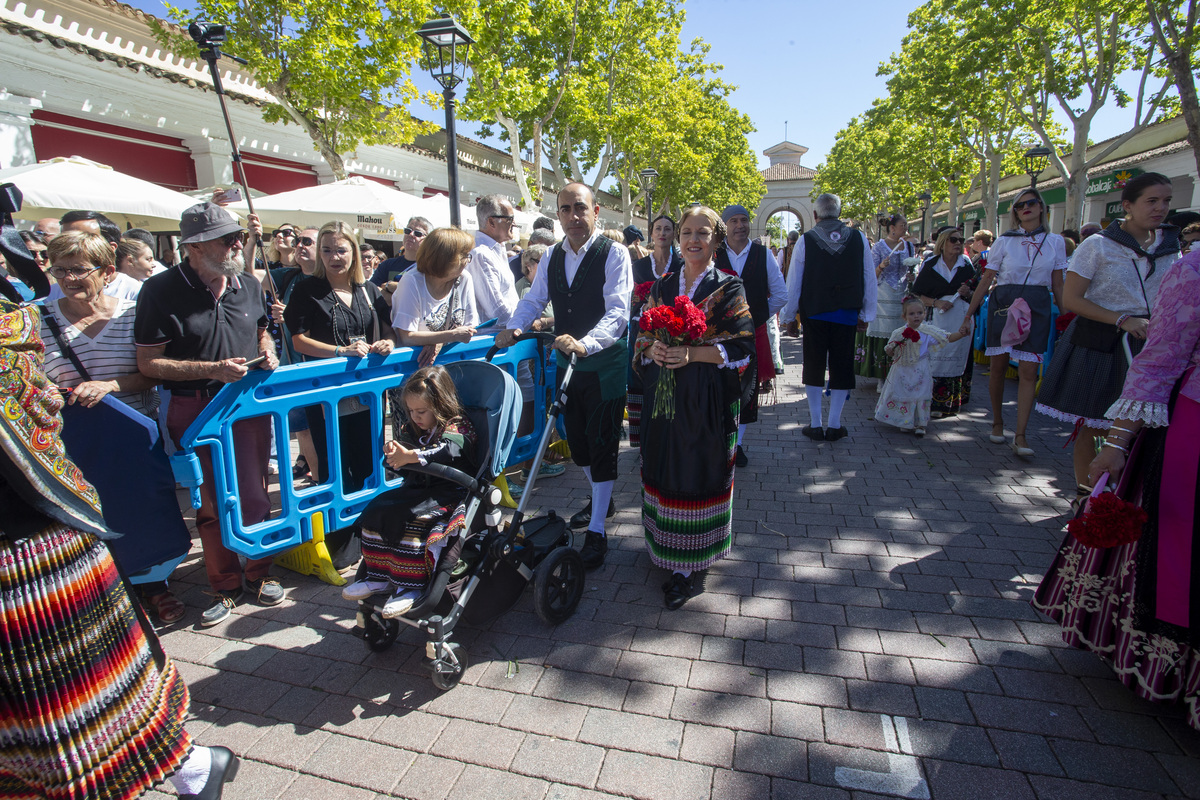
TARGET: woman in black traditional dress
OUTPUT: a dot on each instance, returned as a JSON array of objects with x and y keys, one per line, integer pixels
[
  {"x": 687, "y": 455},
  {"x": 663, "y": 258},
  {"x": 945, "y": 284}
]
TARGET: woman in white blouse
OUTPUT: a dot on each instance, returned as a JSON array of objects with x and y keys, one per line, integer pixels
[
  {"x": 434, "y": 304},
  {"x": 1111, "y": 286},
  {"x": 1025, "y": 263}
]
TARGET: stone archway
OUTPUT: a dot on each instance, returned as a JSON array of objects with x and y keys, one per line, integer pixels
[{"x": 788, "y": 218}]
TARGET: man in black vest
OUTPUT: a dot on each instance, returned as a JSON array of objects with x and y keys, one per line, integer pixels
[
  {"x": 590, "y": 283},
  {"x": 766, "y": 293},
  {"x": 831, "y": 283}
]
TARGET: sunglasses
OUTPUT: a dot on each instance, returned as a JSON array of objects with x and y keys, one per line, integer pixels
[
  {"x": 956, "y": 240},
  {"x": 1026, "y": 204},
  {"x": 230, "y": 239},
  {"x": 76, "y": 274},
  {"x": 415, "y": 233},
  {"x": 286, "y": 233},
  {"x": 40, "y": 255},
  {"x": 503, "y": 218},
  {"x": 306, "y": 241}
]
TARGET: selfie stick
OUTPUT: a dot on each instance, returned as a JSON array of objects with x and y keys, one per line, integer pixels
[{"x": 210, "y": 38}]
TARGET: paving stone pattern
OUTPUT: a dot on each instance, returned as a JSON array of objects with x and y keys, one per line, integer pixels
[{"x": 874, "y": 616}]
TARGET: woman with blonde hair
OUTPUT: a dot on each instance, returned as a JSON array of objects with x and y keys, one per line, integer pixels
[
  {"x": 1025, "y": 263},
  {"x": 336, "y": 312}
]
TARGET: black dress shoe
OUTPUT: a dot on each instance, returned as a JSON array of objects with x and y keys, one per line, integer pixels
[
  {"x": 223, "y": 770},
  {"x": 677, "y": 590},
  {"x": 583, "y": 517},
  {"x": 594, "y": 548},
  {"x": 740, "y": 459},
  {"x": 833, "y": 434},
  {"x": 814, "y": 433}
]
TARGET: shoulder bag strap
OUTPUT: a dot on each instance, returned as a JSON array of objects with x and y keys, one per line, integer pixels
[{"x": 64, "y": 346}]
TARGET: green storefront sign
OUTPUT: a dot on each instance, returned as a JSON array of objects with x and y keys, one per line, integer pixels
[
  {"x": 1114, "y": 210},
  {"x": 1112, "y": 182},
  {"x": 973, "y": 214}
]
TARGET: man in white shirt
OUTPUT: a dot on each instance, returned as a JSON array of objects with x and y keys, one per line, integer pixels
[
  {"x": 588, "y": 279},
  {"x": 832, "y": 285},
  {"x": 491, "y": 277},
  {"x": 766, "y": 293}
]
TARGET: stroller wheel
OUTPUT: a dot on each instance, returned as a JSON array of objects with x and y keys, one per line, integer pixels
[
  {"x": 558, "y": 585},
  {"x": 448, "y": 668},
  {"x": 379, "y": 634}
]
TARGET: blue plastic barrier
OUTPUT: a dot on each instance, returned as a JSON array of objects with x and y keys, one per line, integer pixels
[{"x": 327, "y": 506}]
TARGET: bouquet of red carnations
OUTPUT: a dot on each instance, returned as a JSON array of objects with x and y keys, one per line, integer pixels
[
  {"x": 1108, "y": 521},
  {"x": 679, "y": 324},
  {"x": 912, "y": 334}
]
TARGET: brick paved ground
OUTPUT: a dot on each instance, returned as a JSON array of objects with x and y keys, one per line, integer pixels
[{"x": 870, "y": 636}]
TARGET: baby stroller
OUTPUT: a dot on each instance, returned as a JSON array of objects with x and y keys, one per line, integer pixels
[{"x": 483, "y": 572}]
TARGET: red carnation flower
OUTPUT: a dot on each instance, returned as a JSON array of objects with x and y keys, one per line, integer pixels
[
  {"x": 911, "y": 334},
  {"x": 1108, "y": 521},
  {"x": 641, "y": 292}
]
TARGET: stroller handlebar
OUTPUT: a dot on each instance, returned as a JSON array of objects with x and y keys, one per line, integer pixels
[
  {"x": 446, "y": 473},
  {"x": 545, "y": 336}
]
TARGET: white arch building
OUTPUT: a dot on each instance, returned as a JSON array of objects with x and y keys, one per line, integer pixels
[{"x": 789, "y": 187}]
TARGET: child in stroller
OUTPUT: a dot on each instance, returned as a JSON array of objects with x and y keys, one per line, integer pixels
[{"x": 402, "y": 538}]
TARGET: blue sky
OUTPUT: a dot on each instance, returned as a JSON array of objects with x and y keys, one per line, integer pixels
[{"x": 807, "y": 63}]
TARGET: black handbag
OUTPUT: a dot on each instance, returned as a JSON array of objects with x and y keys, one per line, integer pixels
[{"x": 1099, "y": 336}]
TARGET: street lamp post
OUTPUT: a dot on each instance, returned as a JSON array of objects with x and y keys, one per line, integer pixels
[
  {"x": 925, "y": 199},
  {"x": 1036, "y": 161},
  {"x": 446, "y": 43},
  {"x": 649, "y": 178}
]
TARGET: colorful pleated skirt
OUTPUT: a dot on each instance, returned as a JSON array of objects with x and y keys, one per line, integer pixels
[
  {"x": 405, "y": 561},
  {"x": 86, "y": 713}
]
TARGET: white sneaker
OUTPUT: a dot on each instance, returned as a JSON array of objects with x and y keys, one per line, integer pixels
[
  {"x": 361, "y": 590},
  {"x": 400, "y": 604}
]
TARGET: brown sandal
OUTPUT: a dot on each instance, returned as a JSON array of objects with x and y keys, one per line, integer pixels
[{"x": 167, "y": 607}]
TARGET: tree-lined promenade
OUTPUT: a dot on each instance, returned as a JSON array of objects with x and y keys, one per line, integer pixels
[{"x": 977, "y": 82}]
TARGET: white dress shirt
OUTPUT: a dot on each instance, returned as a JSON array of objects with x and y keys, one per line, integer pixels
[
  {"x": 777, "y": 292},
  {"x": 618, "y": 289},
  {"x": 795, "y": 280},
  {"x": 492, "y": 280}
]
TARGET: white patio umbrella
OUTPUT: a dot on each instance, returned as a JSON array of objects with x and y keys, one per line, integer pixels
[
  {"x": 374, "y": 210},
  {"x": 58, "y": 185}
]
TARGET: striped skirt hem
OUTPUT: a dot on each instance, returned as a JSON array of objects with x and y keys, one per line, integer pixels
[
  {"x": 86, "y": 712},
  {"x": 691, "y": 534}
]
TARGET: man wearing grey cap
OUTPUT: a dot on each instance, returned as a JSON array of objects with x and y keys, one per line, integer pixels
[
  {"x": 196, "y": 328},
  {"x": 766, "y": 293}
]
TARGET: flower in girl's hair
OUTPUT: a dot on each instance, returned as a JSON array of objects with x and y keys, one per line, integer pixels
[
  {"x": 911, "y": 334},
  {"x": 1108, "y": 521}
]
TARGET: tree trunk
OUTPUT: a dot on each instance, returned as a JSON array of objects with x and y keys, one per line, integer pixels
[
  {"x": 514, "y": 149},
  {"x": 991, "y": 203},
  {"x": 1076, "y": 180},
  {"x": 952, "y": 190}
]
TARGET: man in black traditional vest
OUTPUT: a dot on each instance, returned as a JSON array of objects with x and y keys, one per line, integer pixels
[
  {"x": 766, "y": 293},
  {"x": 590, "y": 283},
  {"x": 831, "y": 283}
]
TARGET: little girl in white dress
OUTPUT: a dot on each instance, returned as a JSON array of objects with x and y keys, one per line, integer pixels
[{"x": 908, "y": 392}]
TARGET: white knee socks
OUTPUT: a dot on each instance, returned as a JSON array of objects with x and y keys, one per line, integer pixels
[
  {"x": 601, "y": 496},
  {"x": 814, "y": 405},
  {"x": 837, "y": 402}
]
